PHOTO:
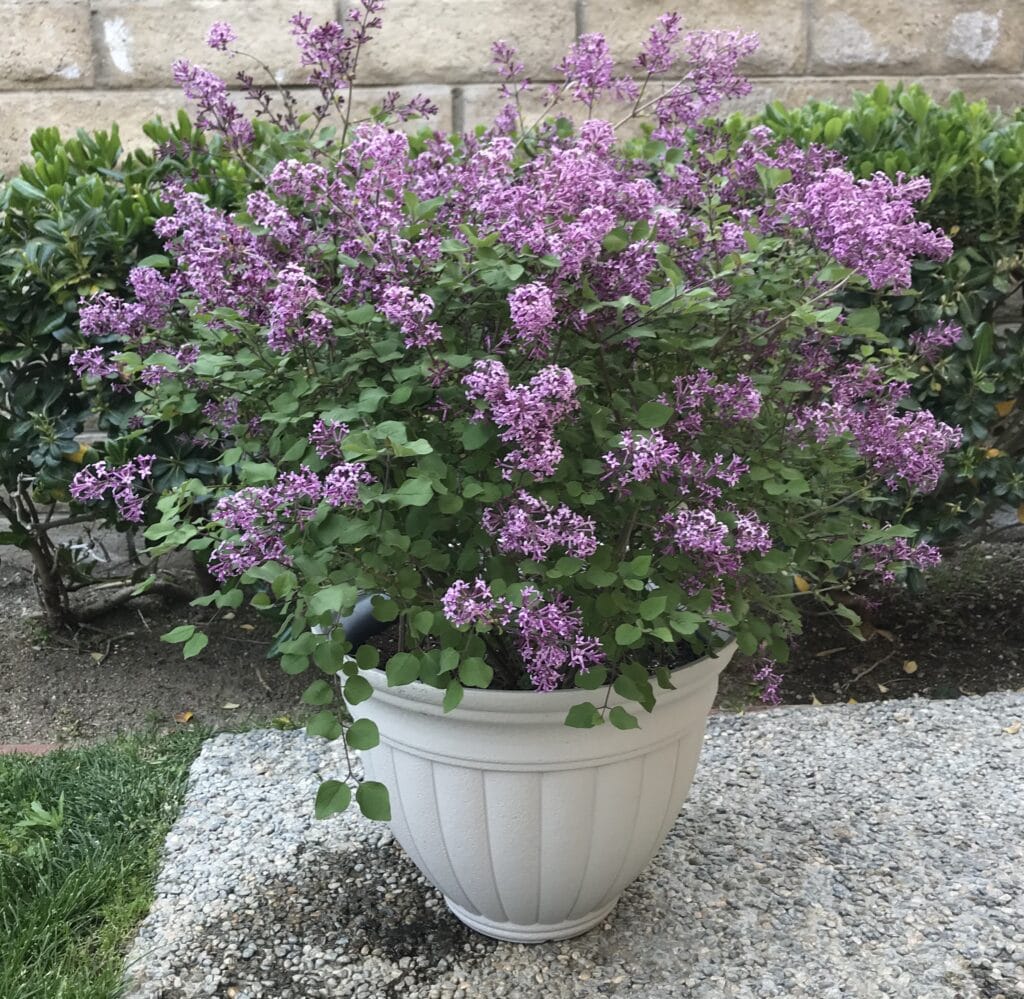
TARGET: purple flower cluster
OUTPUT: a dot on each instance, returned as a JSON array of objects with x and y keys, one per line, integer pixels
[
  {"x": 905, "y": 449},
  {"x": 93, "y": 362},
  {"x": 289, "y": 324},
  {"x": 548, "y": 633},
  {"x": 95, "y": 481},
  {"x": 529, "y": 526},
  {"x": 467, "y": 604},
  {"x": 589, "y": 72},
  {"x": 699, "y": 534},
  {"x": 261, "y": 516},
  {"x": 216, "y": 109},
  {"x": 104, "y": 315},
  {"x": 326, "y": 438},
  {"x": 551, "y": 640},
  {"x": 220, "y": 36},
  {"x": 930, "y": 343},
  {"x": 867, "y": 225},
  {"x": 729, "y": 402},
  {"x": 528, "y": 414},
  {"x": 886, "y": 557},
  {"x": 766, "y": 673},
  {"x": 533, "y": 311},
  {"x": 410, "y": 312}
]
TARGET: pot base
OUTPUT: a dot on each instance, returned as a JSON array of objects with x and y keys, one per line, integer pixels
[{"x": 535, "y": 933}]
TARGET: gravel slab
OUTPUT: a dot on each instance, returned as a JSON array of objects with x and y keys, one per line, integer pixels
[{"x": 853, "y": 851}]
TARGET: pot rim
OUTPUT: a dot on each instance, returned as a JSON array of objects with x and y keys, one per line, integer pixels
[{"x": 421, "y": 697}]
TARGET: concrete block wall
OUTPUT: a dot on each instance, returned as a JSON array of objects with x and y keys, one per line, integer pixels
[{"x": 86, "y": 63}]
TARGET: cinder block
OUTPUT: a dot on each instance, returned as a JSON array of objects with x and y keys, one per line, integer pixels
[
  {"x": 45, "y": 44},
  {"x": 931, "y": 37},
  {"x": 136, "y": 41},
  {"x": 780, "y": 25},
  {"x": 449, "y": 41},
  {"x": 23, "y": 112}
]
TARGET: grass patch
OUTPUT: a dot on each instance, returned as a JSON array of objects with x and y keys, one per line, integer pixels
[{"x": 80, "y": 838}]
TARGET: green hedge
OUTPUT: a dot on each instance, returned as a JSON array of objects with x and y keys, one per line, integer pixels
[{"x": 974, "y": 157}]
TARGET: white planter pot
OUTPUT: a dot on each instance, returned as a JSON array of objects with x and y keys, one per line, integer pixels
[{"x": 531, "y": 829}]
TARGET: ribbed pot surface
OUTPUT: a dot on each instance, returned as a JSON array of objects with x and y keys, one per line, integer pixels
[{"x": 531, "y": 829}]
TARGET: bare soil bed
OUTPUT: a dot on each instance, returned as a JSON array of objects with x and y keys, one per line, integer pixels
[{"x": 963, "y": 635}]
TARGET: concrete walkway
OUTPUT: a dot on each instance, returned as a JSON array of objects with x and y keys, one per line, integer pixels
[{"x": 852, "y": 851}]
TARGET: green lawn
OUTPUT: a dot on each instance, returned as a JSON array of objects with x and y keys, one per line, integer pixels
[{"x": 80, "y": 838}]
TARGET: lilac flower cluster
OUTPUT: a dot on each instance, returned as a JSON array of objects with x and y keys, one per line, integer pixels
[
  {"x": 217, "y": 111},
  {"x": 589, "y": 72},
  {"x": 867, "y": 225},
  {"x": 326, "y": 438},
  {"x": 886, "y": 557},
  {"x": 528, "y": 414},
  {"x": 467, "y": 604},
  {"x": 261, "y": 516},
  {"x": 220, "y": 36},
  {"x": 930, "y": 343},
  {"x": 728, "y": 402},
  {"x": 532, "y": 307},
  {"x": 529, "y": 526},
  {"x": 289, "y": 324},
  {"x": 104, "y": 315},
  {"x": 905, "y": 449},
  {"x": 699, "y": 534},
  {"x": 548, "y": 633},
  {"x": 551, "y": 640},
  {"x": 93, "y": 362},
  {"x": 95, "y": 481},
  {"x": 766, "y": 673},
  {"x": 410, "y": 312}
]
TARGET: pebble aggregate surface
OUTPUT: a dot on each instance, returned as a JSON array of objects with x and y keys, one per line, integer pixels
[{"x": 864, "y": 851}]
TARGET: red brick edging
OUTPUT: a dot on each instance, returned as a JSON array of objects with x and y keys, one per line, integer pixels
[{"x": 30, "y": 748}]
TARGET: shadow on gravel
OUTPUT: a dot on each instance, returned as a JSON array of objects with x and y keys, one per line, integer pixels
[{"x": 310, "y": 933}]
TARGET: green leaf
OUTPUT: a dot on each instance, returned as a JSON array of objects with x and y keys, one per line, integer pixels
[
  {"x": 474, "y": 672},
  {"x": 293, "y": 663},
  {"x": 180, "y": 634},
  {"x": 627, "y": 634},
  {"x": 626, "y": 688},
  {"x": 332, "y": 796},
  {"x": 357, "y": 689},
  {"x": 325, "y": 725},
  {"x": 402, "y": 668},
  {"x": 318, "y": 692},
  {"x": 195, "y": 645},
  {"x": 583, "y": 715},
  {"x": 452, "y": 695},
  {"x": 367, "y": 657},
  {"x": 654, "y": 414},
  {"x": 653, "y": 606},
  {"x": 414, "y": 492},
  {"x": 383, "y": 609},
  {"x": 621, "y": 718},
  {"x": 664, "y": 678},
  {"x": 476, "y": 434},
  {"x": 362, "y": 734},
  {"x": 747, "y": 642},
  {"x": 372, "y": 798},
  {"x": 331, "y": 599},
  {"x": 592, "y": 679}
]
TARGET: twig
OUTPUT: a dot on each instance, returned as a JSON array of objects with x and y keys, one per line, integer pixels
[
  {"x": 864, "y": 672},
  {"x": 259, "y": 676}
]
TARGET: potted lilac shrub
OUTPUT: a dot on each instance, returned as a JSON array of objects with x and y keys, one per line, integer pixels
[{"x": 569, "y": 410}]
